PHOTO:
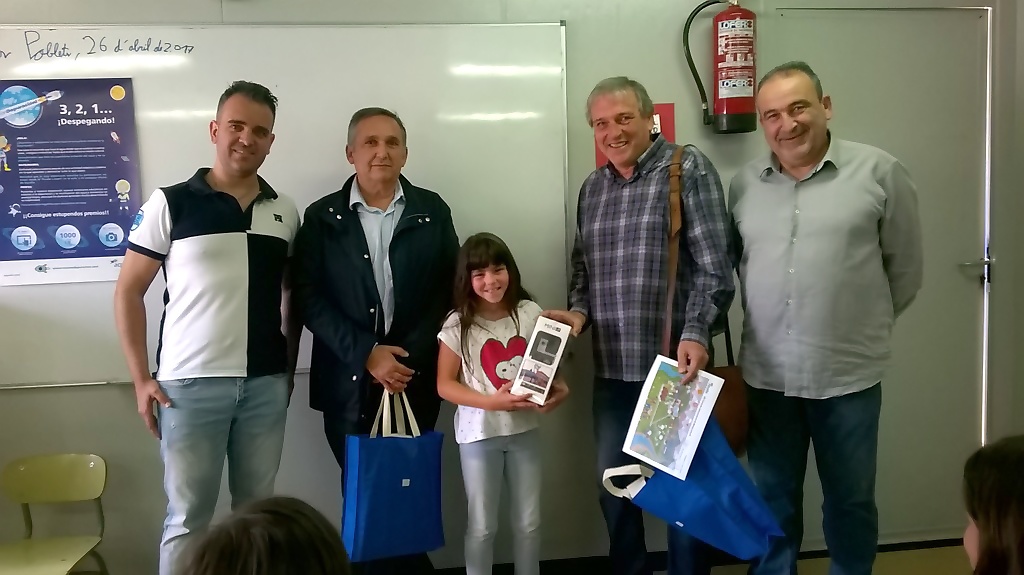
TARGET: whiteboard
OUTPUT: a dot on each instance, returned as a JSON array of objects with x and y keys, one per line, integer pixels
[{"x": 484, "y": 106}]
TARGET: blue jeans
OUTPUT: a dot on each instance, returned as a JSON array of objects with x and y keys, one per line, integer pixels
[
  {"x": 614, "y": 403},
  {"x": 210, "y": 419},
  {"x": 487, "y": 465},
  {"x": 844, "y": 431}
]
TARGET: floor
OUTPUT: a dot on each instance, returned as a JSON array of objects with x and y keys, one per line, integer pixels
[{"x": 941, "y": 561}]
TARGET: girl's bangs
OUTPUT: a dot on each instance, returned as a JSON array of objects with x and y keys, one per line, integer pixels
[{"x": 484, "y": 254}]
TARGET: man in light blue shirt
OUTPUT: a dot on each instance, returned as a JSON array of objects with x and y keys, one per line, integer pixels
[
  {"x": 374, "y": 267},
  {"x": 827, "y": 242},
  {"x": 379, "y": 227}
]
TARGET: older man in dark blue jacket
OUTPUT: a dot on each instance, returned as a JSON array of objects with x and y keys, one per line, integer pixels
[{"x": 374, "y": 266}]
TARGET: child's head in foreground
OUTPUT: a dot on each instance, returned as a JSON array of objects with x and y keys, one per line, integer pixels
[
  {"x": 994, "y": 497},
  {"x": 275, "y": 536}
]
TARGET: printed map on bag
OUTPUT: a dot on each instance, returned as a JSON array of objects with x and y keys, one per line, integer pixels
[{"x": 670, "y": 417}]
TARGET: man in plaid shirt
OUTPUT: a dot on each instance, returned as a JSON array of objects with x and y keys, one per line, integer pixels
[{"x": 618, "y": 288}]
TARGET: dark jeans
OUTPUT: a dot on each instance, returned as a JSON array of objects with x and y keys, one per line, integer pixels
[
  {"x": 844, "y": 431},
  {"x": 614, "y": 402},
  {"x": 338, "y": 424}
]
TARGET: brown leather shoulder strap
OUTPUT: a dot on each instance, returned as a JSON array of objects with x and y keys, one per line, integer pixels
[
  {"x": 675, "y": 178},
  {"x": 675, "y": 175}
]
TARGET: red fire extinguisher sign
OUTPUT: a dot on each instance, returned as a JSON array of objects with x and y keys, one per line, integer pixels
[{"x": 734, "y": 61}]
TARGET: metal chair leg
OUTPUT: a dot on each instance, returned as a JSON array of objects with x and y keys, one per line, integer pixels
[{"x": 99, "y": 561}]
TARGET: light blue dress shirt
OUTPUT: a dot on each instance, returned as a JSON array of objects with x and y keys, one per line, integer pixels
[{"x": 379, "y": 227}]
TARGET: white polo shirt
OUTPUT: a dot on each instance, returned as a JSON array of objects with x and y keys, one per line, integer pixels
[{"x": 223, "y": 268}]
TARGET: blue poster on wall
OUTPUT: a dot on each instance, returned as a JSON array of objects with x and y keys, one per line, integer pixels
[{"x": 69, "y": 179}]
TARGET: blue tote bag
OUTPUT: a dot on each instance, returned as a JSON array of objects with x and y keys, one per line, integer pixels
[
  {"x": 392, "y": 490},
  {"x": 717, "y": 503}
]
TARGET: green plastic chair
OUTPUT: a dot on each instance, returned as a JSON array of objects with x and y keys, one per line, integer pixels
[{"x": 47, "y": 479}]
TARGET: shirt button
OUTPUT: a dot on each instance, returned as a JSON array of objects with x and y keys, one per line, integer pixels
[
  {"x": 794, "y": 240},
  {"x": 791, "y": 271},
  {"x": 366, "y": 256},
  {"x": 371, "y": 310},
  {"x": 355, "y": 377},
  {"x": 790, "y": 332},
  {"x": 798, "y": 211},
  {"x": 338, "y": 216},
  {"x": 789, "y": 302},
  {"x": 427, "y": 219},
  {"x": 330, "y": 210}
]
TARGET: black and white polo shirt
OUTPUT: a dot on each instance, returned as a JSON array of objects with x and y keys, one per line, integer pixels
[{"x": 223, "y": 268}]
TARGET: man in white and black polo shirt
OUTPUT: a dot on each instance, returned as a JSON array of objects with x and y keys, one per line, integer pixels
[{"x": 225, "y": 360}]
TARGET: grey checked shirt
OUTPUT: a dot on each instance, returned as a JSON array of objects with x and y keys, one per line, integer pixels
[
  {"x": 618, "y": 260},
  {"x": 826, "y": 265}
]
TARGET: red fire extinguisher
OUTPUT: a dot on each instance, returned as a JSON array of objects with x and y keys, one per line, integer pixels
[{"x": 734, "y": 71}]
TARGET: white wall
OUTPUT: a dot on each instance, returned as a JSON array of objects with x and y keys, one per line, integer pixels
[{"x": 604, "y": 38}]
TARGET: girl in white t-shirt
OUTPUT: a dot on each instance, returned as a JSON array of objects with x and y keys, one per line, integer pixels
[{"x": 483, "y": 343}]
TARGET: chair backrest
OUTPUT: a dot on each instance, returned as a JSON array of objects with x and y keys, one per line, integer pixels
[{"x": 58, "y": 478}]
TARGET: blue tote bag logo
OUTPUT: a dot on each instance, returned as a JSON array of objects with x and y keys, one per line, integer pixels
[{"x": 392, "y": 490}]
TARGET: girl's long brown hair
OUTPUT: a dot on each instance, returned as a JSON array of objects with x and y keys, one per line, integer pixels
[
  {"x": 994, "y": 497},
  {"x": 478, "y": 252}
]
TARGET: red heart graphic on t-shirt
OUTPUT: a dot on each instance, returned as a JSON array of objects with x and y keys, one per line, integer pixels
[{"x": 493, "y": 352}]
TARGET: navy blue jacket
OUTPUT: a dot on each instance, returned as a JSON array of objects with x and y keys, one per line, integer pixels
[{"x": 336, "y": 296}]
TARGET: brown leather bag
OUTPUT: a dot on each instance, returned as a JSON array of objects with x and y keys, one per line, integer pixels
[{"x": 731, "y": 408}]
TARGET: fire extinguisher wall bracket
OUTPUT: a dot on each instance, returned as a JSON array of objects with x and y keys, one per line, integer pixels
[
  {"x": 734, "y": 123},
  {"x": 734, "y": 70}
]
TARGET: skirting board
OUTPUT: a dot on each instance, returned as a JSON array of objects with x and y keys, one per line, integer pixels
[{"x": 658, "y": 560}]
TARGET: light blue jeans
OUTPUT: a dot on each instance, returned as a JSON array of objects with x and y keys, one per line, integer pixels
[
  {"x": 487, "y": 465},
  {"x": 210, "y": 419}
]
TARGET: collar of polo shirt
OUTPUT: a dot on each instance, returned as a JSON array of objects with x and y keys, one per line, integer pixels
[{"x": 198, "y": 183}]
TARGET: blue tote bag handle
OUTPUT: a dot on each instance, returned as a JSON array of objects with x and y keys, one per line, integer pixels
[
  {"x": 403, "y": 412},
  {"x": 641, "y": 472}
]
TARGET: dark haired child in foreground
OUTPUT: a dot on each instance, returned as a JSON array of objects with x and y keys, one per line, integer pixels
[
  {"x": 275, "y": 536},
  {"x": 994, "y": 497},
  {"x": 484, "y": 343}
]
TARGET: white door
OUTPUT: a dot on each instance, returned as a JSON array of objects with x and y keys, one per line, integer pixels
[{"x": 899, "y": 81}]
